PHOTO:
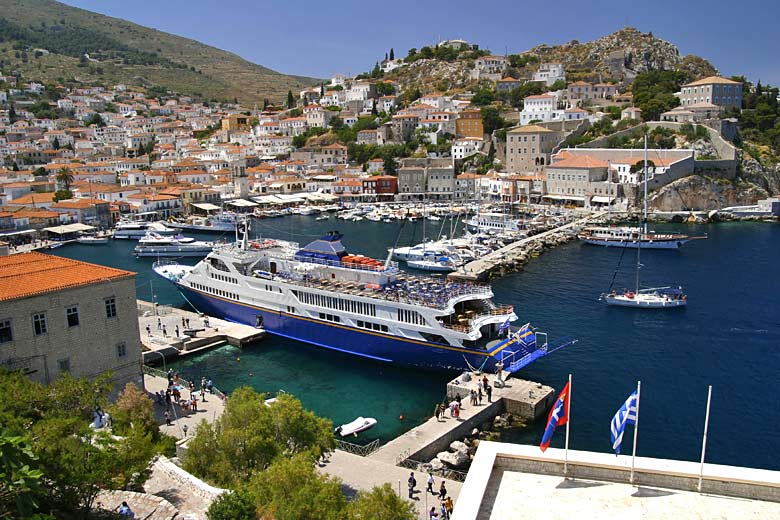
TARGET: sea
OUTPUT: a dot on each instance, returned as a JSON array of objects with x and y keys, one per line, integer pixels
[{"x": 727, "y": 337}]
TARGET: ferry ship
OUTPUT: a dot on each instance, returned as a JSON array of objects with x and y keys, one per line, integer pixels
[
  {"x": 633, "y": 237},
  {"x": 321, "y": 295}
]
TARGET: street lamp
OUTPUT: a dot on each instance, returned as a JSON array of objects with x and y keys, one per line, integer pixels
[{"x": 162, "y": 356}]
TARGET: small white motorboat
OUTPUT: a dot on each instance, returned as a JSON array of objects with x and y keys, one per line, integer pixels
[
  {"x": 358, "y": 425},
  {"x": 92, "y": 240}
]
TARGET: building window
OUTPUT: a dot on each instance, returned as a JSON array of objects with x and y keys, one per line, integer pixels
[
  {"x": 64, "y": 364},
  {"x": 121, "y": 350},
  {"x": 6, "y": 332},
  {"x": 110, "y": 307},
  {"x": 72, "y": 316},
  {"x": 39, "y": 324}
]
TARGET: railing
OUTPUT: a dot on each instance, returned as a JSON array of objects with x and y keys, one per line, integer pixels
[
  {"x": 450, "y": 474},
  {"x": 357, "y": 449},
  {"x": 502, "y": 310},
  {"x": 154, "y": 372}
]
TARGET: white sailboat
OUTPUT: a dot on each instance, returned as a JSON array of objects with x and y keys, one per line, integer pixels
[{"x": 653, "y": 298}]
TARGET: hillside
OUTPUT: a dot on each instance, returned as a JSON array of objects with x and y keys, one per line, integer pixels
[
  {"x": 121, "y": 51},
  {"x": 619, "y": 56}
]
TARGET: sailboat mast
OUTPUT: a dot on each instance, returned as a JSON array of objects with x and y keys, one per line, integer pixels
[
  {"x": 645, "y": 182},
  {"x": 609, "y": 191}
]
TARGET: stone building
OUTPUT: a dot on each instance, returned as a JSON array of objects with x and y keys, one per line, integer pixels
[
  {"x": 61, "y": 315},
  {"x": 722, "y": 92},
  {"x": 528, "y": 148}
]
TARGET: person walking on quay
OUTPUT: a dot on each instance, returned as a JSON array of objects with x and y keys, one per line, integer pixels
[
  {"x": 484, "y": 382},
  {"x": 442, "y": 490},
  {"x": 473, "y": 397},
  {"x": 187, "y": 321},
  {"x": 430, "y": 483},
  {"x": 148, "y": 330},
  {"x": 165, "y": 332},
  {"x": 177, "y": 331},
  {"x": 448, "y": 505},
  {"x": 489, "y": 391},
  {"x": 437, "y": 412},
  {"x": 432, "y": 515},
  {"x": 159, "y": 323},
  {"x": 459, "y": 399},
  {"x": 443, "y": 508},
  {"x": 183, "y": 323},
  {"x": 479, "y": 396},
  {"x": 412, "y": 484},
  {"x": 167, "y": 418},
  {"x": 168, "y": 399}
]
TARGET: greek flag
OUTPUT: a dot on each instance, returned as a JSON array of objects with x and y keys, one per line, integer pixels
[
  {"x": 526, "y": 336},
  {"x": 504, "y": 326},
  {"x": 625, "y": 415}
]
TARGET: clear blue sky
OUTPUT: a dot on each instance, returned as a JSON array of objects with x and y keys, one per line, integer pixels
[{"x": 324, "y": 38}]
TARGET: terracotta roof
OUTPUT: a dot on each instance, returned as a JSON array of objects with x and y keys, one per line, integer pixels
[
  {"x": 581, "y": 161},
  {"x": 34, "y": 198},
  {"x": 529, "y": 129},
  {"x": 78, "y": 203},
  {"x": 31, "y": 274},
  {"x": 540, "y": 96},
  {"x": 712, "y": 79}
]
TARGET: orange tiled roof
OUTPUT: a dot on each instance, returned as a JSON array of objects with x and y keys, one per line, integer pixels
[
  {"x": 581, "y": 161},
  {"x": 34, "y": 198},
  {"x": 31, "y": 274}
]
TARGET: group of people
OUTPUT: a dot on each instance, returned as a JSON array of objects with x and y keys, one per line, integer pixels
[
  {"x": 483, "y": 388},
  {"x": 445, "y": 509},
  {"x": 172, "y": 395}
]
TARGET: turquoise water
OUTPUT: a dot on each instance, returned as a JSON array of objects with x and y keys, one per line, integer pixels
[{"x": 729, "y": 336}]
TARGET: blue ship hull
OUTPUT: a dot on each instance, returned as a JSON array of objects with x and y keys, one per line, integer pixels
[{"x": 350, "y": 340}]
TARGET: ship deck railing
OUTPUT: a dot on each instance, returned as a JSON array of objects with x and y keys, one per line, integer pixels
[
  {"x": 467, "y": 323},
  {"x": 436, "y": 297}
]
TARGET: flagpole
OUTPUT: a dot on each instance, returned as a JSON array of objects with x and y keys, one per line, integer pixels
[
  {"x": 568, "y": 423},
  {"x": 704, "y": 439},
  {"x": 636, "y": 428}
]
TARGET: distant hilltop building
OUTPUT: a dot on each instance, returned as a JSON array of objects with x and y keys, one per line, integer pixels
[
  {"x": 549, "y": 73},
  {"x": 459, "y": 45}
]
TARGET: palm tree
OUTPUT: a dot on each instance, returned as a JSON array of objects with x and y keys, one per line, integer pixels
[{"x": 65, "y": 177}]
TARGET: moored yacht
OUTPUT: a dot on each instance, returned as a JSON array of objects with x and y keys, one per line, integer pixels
[
  {"x": 153, "y": 244},
  {"x": 134, "y": 229},
  {"x": 632, "y": 237}
]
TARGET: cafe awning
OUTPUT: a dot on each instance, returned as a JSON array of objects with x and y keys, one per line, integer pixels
[{"x": 205, "y": 206}]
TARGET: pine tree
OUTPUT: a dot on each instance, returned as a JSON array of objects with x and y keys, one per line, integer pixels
[
  {"x": 290, "y": 99},
  {"x": 392, "y": 54},
  {"x": 12, "y": 114},
  {"x": 265, "y": 103},
  {"x": 56, "y": 143}
]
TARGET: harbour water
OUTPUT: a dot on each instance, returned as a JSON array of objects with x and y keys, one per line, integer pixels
[{"x": 728, "y": 336}]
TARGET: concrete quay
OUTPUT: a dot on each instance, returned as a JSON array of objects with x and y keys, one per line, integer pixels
[
  {"x": 158, "y": 325},
  {"x": 526, "y": 399},
  {"x": 481, "y": 268}
]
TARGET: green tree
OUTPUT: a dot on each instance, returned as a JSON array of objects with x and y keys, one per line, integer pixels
[
  {"x": 235, "y": 505},
  {"x": 133, "y": 410},
  {"x": 491, "y": 119},
  {"x": 249, "y": 436},
  {"x": 95, "y": 119},
  {"x": 654, "y": 92},
  {"x": 392, "y": 53},
  {"x": 290, "y": 99},
  {"x": 376, "y": 72},
  {"x": 40, "y": 172},
  {"x": 483, "y": 97},
  {"x": 291, "y": 489},
  {"x": 385, "y": 88},
  {"x": 12, "y": 114},
  {"x": 56, "y": 143},
  {"x": 381, "y": 503},
  {"x": 20, "y": 478},
  {"x": 65, "y": 177},
  {"x": 389, "y": 165}
]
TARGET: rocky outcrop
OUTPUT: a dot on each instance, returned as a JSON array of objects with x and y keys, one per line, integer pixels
[
  {"x": 624, "y": 53},
  {"x": 705, "y": 193},
  {"x": 766, "y": 177},
  {"x": 429, "y": 75}
]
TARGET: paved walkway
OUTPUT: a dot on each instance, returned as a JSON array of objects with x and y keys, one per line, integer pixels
[
  {"x": 363, "y": 473},
  {"x": 208, "y": 410},
  {"x": 189, "y": 499}
]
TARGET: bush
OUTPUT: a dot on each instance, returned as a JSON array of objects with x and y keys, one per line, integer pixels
[{"x": 235, "y": 505}]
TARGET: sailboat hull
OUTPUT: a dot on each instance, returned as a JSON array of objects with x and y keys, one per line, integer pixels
[
  {"x": 644, "y": 301},
  {"x": 634, "y": 244}
]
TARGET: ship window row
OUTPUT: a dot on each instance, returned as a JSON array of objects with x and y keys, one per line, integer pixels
[
  {"x": 330, "y": 302},
  {"x": 271, "y": 288},
  {"x": 216, "y": 292},
  {"x": 371, "y": 326},
  {"x": 222, "y": 277},
  {"x": 408, "y": 316},
  {"x": 330, "y": 317},
  {"x": 216, "y": 263}
]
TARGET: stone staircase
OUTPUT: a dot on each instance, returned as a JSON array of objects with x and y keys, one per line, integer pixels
[{"x": 144, "y": 505}]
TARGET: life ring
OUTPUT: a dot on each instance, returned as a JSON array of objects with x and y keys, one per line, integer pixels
[{"x": 630, "y": 295}]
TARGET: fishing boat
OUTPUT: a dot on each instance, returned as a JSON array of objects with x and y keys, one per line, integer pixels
[
  {"x": 442, "y": 264},
  {"x": 653, "y": 298},
  {"x": 92, "y": 240},
  {"x": 322, "y": 295},
  {"x": 153, "y": 244},
  {"x": 135, "y": 229},
  {"x": 358, "y": 425}
]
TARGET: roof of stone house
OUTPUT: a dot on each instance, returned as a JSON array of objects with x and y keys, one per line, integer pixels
[
  {"x": 31, "y": 274},
  {"x": 712, "y": 80},
  {"x": 529, "y": 129},
  {"x": 581, "y": 161}
]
